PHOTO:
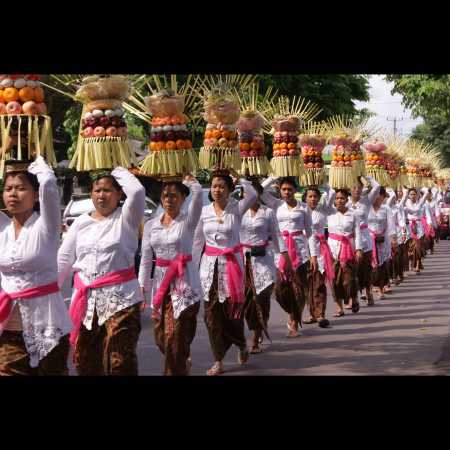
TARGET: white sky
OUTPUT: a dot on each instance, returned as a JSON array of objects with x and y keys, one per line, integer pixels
[{"x": 387, "y": 106}]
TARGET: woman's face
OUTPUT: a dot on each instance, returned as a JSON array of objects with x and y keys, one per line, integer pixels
[
  {"x": 357, "y": 190},
  {"x": 340, "y": 201},
  {"x": 379, "y": 201},
  {"x": 171, "y": 199},
  {"x": 312, "y": 199},
  {"x": 413, "y": 196},
  {"x": 105, "y": 196},
  {"x": 219, "y": 190},
  {"x": 287, "y": 192},
  {"x": 18, "y": 194}
]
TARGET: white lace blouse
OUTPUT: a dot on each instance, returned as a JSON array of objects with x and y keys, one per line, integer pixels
[
  {"x": 414, "y": 212},
  {"x": 166, "y": 243},
  {"x": 361, "y": 209},
  {"x": 381, "y": 222},
  {"x": 94, "y": 248},
  {"x": 220, "y": 233},
  {"x": 30, "y": 261},
  {"x": 256, "y": 229},
  {"x": 291, "y": 220},
  {"x": 344, "y": 224}
]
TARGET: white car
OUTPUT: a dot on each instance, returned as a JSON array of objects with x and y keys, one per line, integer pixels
[{"x": 82, "y": 203}]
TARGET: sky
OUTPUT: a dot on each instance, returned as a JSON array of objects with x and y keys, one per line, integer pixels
[{"x": 387, "y": 106}]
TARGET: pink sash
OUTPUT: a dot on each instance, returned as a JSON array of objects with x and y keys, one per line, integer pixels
[
  {"x": 6, "y": 300},
  {"x": 346, "y": 253},
  {"x": 264, "y": 244},
  {"x": 78, "y": 307},
  {"x": 429, "y": 230},
  {"x": 327, "y": 257},
  {"x": 291, "y": 248},
  {"x": 235, "y": 277},
  {"x": 373, "y": 236},
  {"x": 175, "y": 270}
]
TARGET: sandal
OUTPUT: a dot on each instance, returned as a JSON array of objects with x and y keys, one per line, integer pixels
[
  {"x": 339, "y": 314},
  {"x": 355, "y": 307},
  {"x": 215, "y": 370},
  {"x": 255, "y": 350},
  {"x": 243, "y": 356},
  {"x": 310, "y": 320}
]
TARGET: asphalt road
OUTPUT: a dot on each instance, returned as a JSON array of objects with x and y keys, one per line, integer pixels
[{"x": 405, "y": 334}]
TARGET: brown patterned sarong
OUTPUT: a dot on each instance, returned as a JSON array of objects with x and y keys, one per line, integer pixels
[
  {"x": 292, "y": 294},
  {"x": 14, "y": 359},
  {"x": 223, "y": 330},
  {"x": 364, "y": 268},
  {"x": 396, "y": 262},
  {"x": 381, "y": 275},
  {"x": 110, "y": 349},
  {"x": 415, "y": 251},
  {"x": 345, "y": 285},
  {"x": 257, "y": 306},
  {"x": 317, "y": 298},
  {"x": 174, "y": 336}
]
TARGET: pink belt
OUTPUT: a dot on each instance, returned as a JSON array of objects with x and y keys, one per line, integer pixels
[
  {"x": 235, "y": 277},
  {"x": 373, "y": 236},
  {"x": 346, "y": 253},
  {"x": 429, "y": 230},
  {"x": 6, "y": 300},
  {"x": 78, "y": 307},
  {"x": 364, "y": 226},
  {"x": 327, "y": 257},
  {"x": 411, "y": 225},
  {"x": 291, "y": 248},
  {"x": 175, "y": 270}
]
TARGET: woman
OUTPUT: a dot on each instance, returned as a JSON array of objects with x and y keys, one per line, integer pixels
[
  {"x": 321, "y": 261},
  {"x": 222, "y": 268},
  {"x": 360, "y": 203},
  {"x": 34, "y": 322},
  {"x": 291, "y": 289},
  {"x": 399, "y": 259},
  {"x": 100, "y": 247},
  {"x": 431, "y": 222},
  {"x": 383, "y": 234},
  {"x": 175, "y": 290},
  {"x": 259, "y": 228},
  {"x": 414, "y": 212},
  {"x": 346, "y": 246}
]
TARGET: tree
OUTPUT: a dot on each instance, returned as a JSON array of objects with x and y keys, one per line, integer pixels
[
  {"x": 425, "y": 95},
  {"x": 436, "y": 131}
]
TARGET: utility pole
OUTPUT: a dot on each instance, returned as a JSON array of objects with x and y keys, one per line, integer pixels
[{"x": 395, "y": 120}]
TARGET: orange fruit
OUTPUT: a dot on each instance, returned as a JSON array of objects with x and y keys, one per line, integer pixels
[
  {"x": 1, "y": 96},
  {"x": 244, "y": 146},
  {"x": 216, "y": 134},
  {"x": 26, "y": 94},
  {"x": 11, "y": 94},
  {"x": 39, "y": 95},
  {"x": 187, "y": 144},
  {"x": 171, "y": 145},
  {"x": 180, "y": 144}
]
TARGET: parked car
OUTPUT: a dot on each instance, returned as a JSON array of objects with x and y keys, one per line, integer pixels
[{"x": 82, "y": 203}]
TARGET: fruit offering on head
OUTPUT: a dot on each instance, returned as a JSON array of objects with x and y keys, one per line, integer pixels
[{"x": 22, "y": 89}]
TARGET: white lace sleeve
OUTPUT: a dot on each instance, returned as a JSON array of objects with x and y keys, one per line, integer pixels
[{"x": 145, "y": 268}]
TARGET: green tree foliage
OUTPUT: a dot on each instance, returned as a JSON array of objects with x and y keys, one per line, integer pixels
[{"x": 425, "y": 95}]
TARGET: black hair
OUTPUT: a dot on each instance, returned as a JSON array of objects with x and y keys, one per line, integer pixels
[
  {"x": 346, "y": 192},
  {"x": 258, "y": 188},
  {"x": 32, "y": 179},
  {"x": 383, "y": 191},
  {"x": 412, "y": 190},
  {"x": 114, "y": 182},
  {"x": 178, "y": 185},
  {"x": 228, "y": 181},
  {"x": 311, "y": 188},
  {"x": 287, "y": 180}
]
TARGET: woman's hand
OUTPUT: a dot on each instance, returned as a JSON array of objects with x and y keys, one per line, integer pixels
[{"x": 190, "y": 178}]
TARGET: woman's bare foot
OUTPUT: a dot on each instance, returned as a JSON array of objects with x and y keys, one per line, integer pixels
[
  {"x": 216, "y": 369},
  {"x": 243, "y": 356}
]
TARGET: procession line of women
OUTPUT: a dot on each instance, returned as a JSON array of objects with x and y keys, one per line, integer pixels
[{"x": 232, "y": 254}]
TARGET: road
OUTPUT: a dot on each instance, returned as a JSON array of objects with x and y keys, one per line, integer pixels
[{"x": 405, "y": 334}]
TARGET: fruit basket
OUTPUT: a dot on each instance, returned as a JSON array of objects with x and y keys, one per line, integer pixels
[
  {"x": 377, "y": 162},
  {"x": 25, "y": 127},
  {"x": 289, "y": 116},
  {"x": 312, "y": 142},
  {"x": 103, "y": 141}
]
